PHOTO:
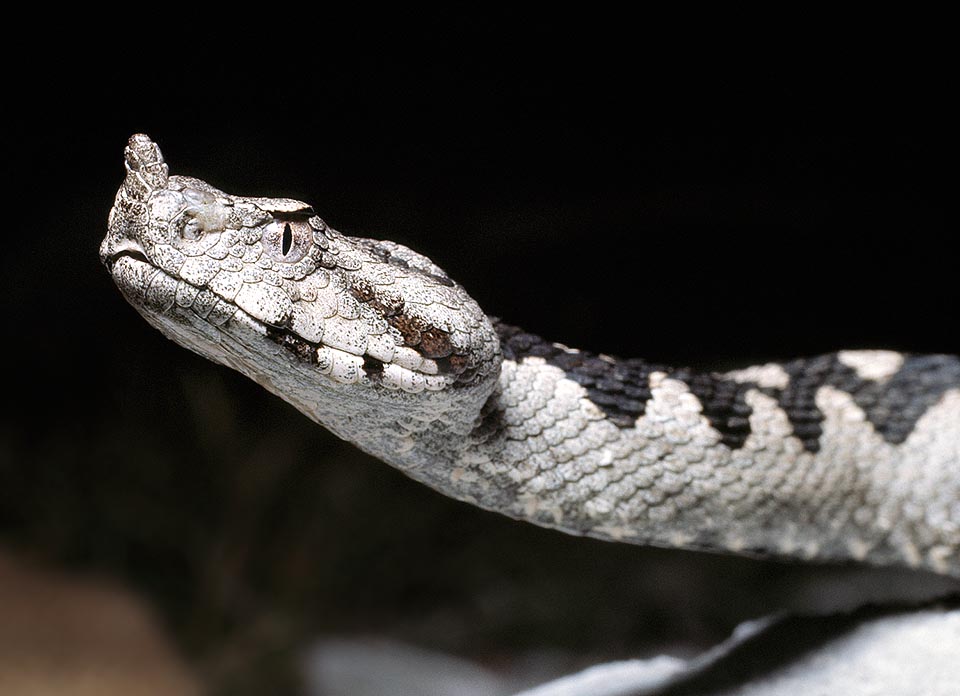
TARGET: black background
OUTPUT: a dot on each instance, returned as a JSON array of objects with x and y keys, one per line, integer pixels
[{"x": 700, "y": 198}]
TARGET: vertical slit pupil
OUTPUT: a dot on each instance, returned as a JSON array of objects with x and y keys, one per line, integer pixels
[{"x": 287, "y": 242}]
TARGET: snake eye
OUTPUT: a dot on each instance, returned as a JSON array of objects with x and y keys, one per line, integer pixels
[{"x": 287, "y": 240}]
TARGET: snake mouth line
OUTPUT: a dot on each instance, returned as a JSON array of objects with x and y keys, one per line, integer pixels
[
  {"x": 134, "y": 254},
  {"x": 124, "y": 248}
]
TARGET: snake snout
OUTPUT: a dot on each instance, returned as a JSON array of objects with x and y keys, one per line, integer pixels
[{"x": 147, "y": 174}]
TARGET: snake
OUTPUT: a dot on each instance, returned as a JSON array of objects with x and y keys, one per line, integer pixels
[
  {"x": 848, "y": 456},
  {"x": 853, "y": 455}
]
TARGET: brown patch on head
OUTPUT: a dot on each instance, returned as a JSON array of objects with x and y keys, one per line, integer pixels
[
  {"x": 383, "y": 303},
  {"x": 372, "y": 365},
  {"x": 428, "y": 340},
  {"x": 409, "y": 327},
  {"x": 458, "y": 365},
  {"x": 435, "y": 343},
  {"x": 362, "y": 291},
  {"x": 303, "y": 350}
]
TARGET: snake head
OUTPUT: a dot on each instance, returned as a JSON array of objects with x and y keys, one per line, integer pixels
[{"x": 265, "y": 286}]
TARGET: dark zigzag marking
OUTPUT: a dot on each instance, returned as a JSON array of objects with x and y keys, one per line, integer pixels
[
  {"x": 620, "y": 388},
  {"x": 892, "y": 406}
]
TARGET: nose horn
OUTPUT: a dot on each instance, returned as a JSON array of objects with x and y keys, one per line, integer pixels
[{"x": 146, "y": 169}]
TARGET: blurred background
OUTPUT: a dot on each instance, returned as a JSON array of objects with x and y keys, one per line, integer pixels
[{"x": 703, "y": 200}]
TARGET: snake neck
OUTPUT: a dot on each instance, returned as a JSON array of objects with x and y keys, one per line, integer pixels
[{"x": 845, "y": 456}]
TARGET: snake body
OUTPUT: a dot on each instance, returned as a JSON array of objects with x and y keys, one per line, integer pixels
[{"x": 853, "y": 455}]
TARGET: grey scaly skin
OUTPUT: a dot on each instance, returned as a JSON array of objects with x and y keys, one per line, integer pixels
[{"x": 854, "y": 455}]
